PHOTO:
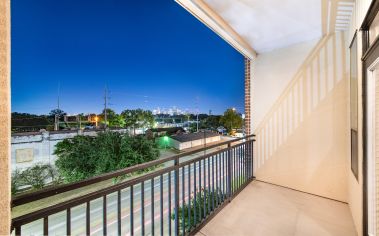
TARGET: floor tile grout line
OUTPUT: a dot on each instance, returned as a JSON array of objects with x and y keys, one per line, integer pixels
[{"x": 312, "y": 194}]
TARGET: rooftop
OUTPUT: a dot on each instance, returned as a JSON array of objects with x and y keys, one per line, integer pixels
[{"x": 193, "y": 136}]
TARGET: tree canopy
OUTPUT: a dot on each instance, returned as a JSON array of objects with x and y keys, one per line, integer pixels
[
  {"x": 138, "y": 118},
  {"x": 231, "y": 120},
  {"x": 84, "y": 156}
]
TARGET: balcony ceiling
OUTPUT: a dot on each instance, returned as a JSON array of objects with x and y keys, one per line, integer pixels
[
  {"x": 271, "y": 24},
  {"x": 258, "y": 26}
]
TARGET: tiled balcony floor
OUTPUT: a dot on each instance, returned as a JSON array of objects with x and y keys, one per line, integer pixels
[{"x": 269, "y": 210}]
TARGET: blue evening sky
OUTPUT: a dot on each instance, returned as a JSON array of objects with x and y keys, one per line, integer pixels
[{"x": 149, "y": 53}]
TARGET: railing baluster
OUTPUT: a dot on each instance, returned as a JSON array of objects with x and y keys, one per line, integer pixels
[
  {"x": 233, "y": 163},
  {"x": 169, "y": 203},
  {"x": 225, "y": 175},
  {"x": 143, "y": 208},
  {"x": 245, "y": 156},
  {"x": 68, "y": 221},
  {"x": 252, "y": 158},
  {"x": 240, "y": 176},
  {"x": 152, "y": 206},
  {"x": 216, "y": 192},
  {"x": 131, "y": 211},
  {"x": 119, "y": 212},
  {"x": 219, "y": 178},
  {"x": 46, "y": 225},
  {"x": 194, "y": 190},
  {"x": 88, "y": 219},
  {"x": 200, "y": 192},
  {"x": 189, "y": 198},
  {"x": 105, "y": 215},
  {"x": 161, "y": 202},
  {"x": 222, "y": 177},
  {"x": 229, "y": 174},
  {"x": 213, "y": 184},
  {"x": 18, "y": 231},
  {"x": 244, "y": 164},
  {"x": 205, "y": 190},
  {"x": 209, "y": 185},
  {"x": 176, "y": 197},
  {"x": 183, "y": 201}
]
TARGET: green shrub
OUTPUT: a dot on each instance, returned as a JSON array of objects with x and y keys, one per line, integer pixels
[
  {"x": 37, "y": 177},
  {"x": 16, "y": 181},
  {"x": 84, "y": 156},
  {"x": 202, "y": 196}
]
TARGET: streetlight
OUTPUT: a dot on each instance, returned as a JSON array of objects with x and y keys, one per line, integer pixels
[
  {"x": 96, "y": 120},
  {"x": 165, "y": 140}
]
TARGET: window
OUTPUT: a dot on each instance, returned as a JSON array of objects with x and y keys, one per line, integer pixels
[{"x": 354, "y": 106}]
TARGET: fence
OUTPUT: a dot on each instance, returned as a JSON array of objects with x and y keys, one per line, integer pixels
[{"x": 178, "y": 197}]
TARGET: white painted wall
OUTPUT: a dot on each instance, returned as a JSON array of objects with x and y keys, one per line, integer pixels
[
  {"x": 301, "y": 105},
  {"x": 272, "y": 72}
]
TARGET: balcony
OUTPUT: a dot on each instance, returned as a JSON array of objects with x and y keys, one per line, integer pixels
[
  {"x": 193, "y": 193},
  {"x": 308, "y": 171}
]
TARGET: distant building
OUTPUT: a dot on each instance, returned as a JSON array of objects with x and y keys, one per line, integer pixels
[
  {"x": 191, "y": 140},
  {"x": 157, "y": 132}
]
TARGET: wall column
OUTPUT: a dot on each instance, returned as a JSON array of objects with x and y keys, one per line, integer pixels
[
  {"x": 5, "y": 193},
  {"x": 247, "y": 97}
]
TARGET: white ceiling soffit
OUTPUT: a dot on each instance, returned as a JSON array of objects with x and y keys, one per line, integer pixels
[
  {"x": 264, "y": 25},
  {"x": 271, "y": 24},
  {"x": 216, "y": 23}
]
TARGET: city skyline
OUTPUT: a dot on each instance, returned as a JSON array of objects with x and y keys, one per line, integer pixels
[{"x": 147, "y": 55}]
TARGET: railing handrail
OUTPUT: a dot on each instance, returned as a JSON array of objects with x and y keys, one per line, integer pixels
[{"x": 51, "y": 191}]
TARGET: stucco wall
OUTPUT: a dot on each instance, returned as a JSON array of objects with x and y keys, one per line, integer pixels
[
  {"x": 31, "y": 149},
  {"x": 303, "y": 139},
  {"x": 5, "y": 193}
]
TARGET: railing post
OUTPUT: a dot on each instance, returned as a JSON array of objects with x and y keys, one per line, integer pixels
[
  {"x": 252, "y": 158},
  {"x": 176, "y": 196},
  {"x": 229, "y": 175}
]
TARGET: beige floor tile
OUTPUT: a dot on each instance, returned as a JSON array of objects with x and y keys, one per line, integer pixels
[{"x": 269, "y": 210}]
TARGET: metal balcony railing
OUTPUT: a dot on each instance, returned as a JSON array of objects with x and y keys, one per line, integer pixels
[{"x": 178, "y": 197}]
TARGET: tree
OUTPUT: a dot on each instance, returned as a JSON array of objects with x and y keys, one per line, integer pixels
[
  {"x": 212, "y": 122},
  {"x": 231, "y": 120},
  {"x": 138, "y": 119},
  {"x": 58, "y": 112},
  {"x": 83, "y": 156},
  {"x": 131, "y": 119},
  {"x": 113, "y": 119}
]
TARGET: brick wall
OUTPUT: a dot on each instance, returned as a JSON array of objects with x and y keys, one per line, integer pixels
[
  {"x": 247, "y": 97},
  {"x": 4, "y": 117}
]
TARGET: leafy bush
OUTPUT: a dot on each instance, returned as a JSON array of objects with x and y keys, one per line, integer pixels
[
  {"x": 37, "y": 177},
  {"x": 202, "y": 196},
  {"x": 84, "y": 156},
  {"x": 16, "y": 181}
]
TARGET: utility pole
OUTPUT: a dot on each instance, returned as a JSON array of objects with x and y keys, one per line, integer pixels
[
  {"x": 105, "y": 107},
  {"x": 197, "y": 114},
  {"x": 56, "y": 118}
]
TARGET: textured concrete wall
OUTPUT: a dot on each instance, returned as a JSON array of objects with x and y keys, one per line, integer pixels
[
  {"x": 5, "y": 117},
  {"x": 38, "y": 148}
]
